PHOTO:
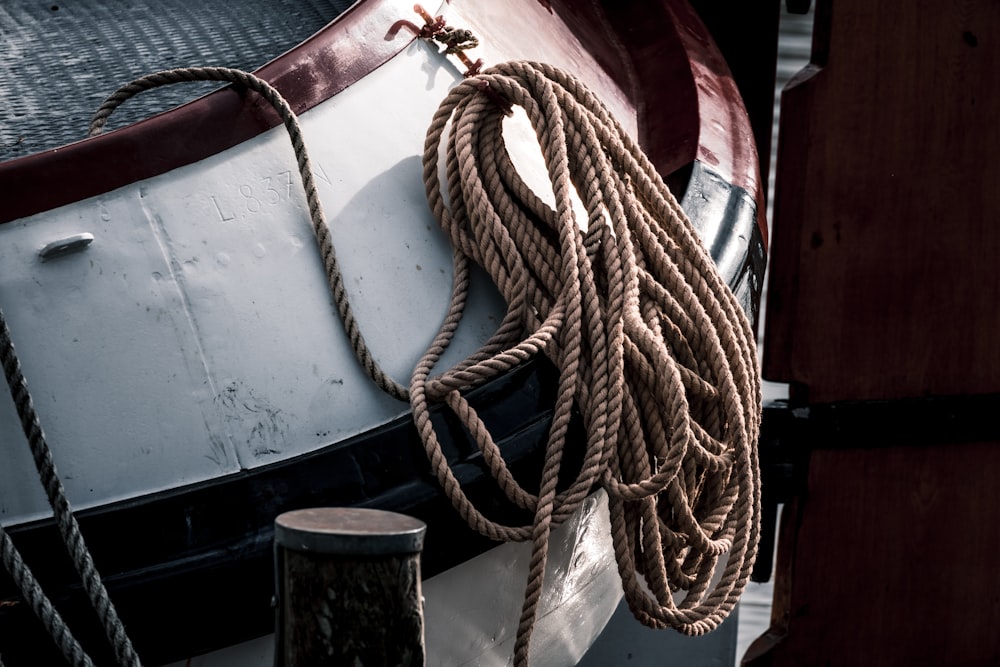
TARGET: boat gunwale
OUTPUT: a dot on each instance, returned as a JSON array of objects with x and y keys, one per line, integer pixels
[
  {"x": 367, "y": 36},
  {"x": 312, "y": 72}
]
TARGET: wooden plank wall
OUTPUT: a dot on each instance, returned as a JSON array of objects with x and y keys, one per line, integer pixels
[
  {"x": 885, "y": 284},
  {"x": 884, "y": 274}
]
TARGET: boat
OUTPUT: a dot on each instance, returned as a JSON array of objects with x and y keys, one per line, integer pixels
[{"x": 173, "y": 320}]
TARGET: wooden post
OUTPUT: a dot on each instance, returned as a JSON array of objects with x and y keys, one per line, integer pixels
[{"x": 348, "y": 583}]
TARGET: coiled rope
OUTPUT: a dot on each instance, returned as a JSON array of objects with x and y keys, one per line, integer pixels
[{"x": 652, "y": 349}]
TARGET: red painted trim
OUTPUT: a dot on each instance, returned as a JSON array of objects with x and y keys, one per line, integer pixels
[
  {"x": 659, "y": 53},
  {"x": 725, "y": 138}
]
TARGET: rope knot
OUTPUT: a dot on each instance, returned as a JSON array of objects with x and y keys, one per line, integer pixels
[{"x": 456, "y": 40}]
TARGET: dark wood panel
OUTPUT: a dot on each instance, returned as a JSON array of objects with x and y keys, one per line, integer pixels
[
  {"x": 890, "y": 559},
  {"x": 884, "y": 286},
  {"x": 884, "y": 277}
]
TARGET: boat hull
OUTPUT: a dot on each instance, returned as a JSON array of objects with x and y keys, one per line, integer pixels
[{"x": 194, "y": 346}]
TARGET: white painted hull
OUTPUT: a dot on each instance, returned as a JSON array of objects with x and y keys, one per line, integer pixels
[{"x": 195, "y": 339}]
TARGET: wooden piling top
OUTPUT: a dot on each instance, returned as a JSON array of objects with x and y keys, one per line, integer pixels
[{"x": 349, "y": 531}]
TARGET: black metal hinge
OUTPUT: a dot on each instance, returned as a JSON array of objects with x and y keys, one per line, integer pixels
[{"x": 790, "y": 433}]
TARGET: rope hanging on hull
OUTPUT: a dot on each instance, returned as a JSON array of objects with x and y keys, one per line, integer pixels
[
  {"x": 69, "y": 531},
  {"x": 652, "y": 348}
]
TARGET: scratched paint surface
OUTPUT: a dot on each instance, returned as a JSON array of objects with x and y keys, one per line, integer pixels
[{"x": 196, "y": 336}]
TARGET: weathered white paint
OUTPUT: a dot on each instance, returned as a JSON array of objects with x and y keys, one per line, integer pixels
[
  {"x": 471, "y": 624},
  {"x": 196, "y": 335}
]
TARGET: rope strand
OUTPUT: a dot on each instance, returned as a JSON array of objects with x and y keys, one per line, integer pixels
[
  {"x": 653, "y": 350},
  {"x": 320, "y": 227},
  {"x": 51, "y": 620},
  {"x": 69, "y": 529}
]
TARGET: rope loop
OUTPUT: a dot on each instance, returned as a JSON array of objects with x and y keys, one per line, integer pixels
[{"x": 654, "y": 352}]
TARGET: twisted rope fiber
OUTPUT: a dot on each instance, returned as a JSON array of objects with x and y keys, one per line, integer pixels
[
  {"x": 320, "y": 227},
  {"x": 652, "y": 347},
  {"x": 68, "y": 528},
  {"x": 40, "y": 604}
]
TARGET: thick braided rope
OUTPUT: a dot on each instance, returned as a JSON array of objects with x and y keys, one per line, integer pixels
[
  {"x": 653, "y": 349},
  {"x": 40, "y": 604},
  {"x": 68, "y": 528},
  {"x": 318, "y": 219}
]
